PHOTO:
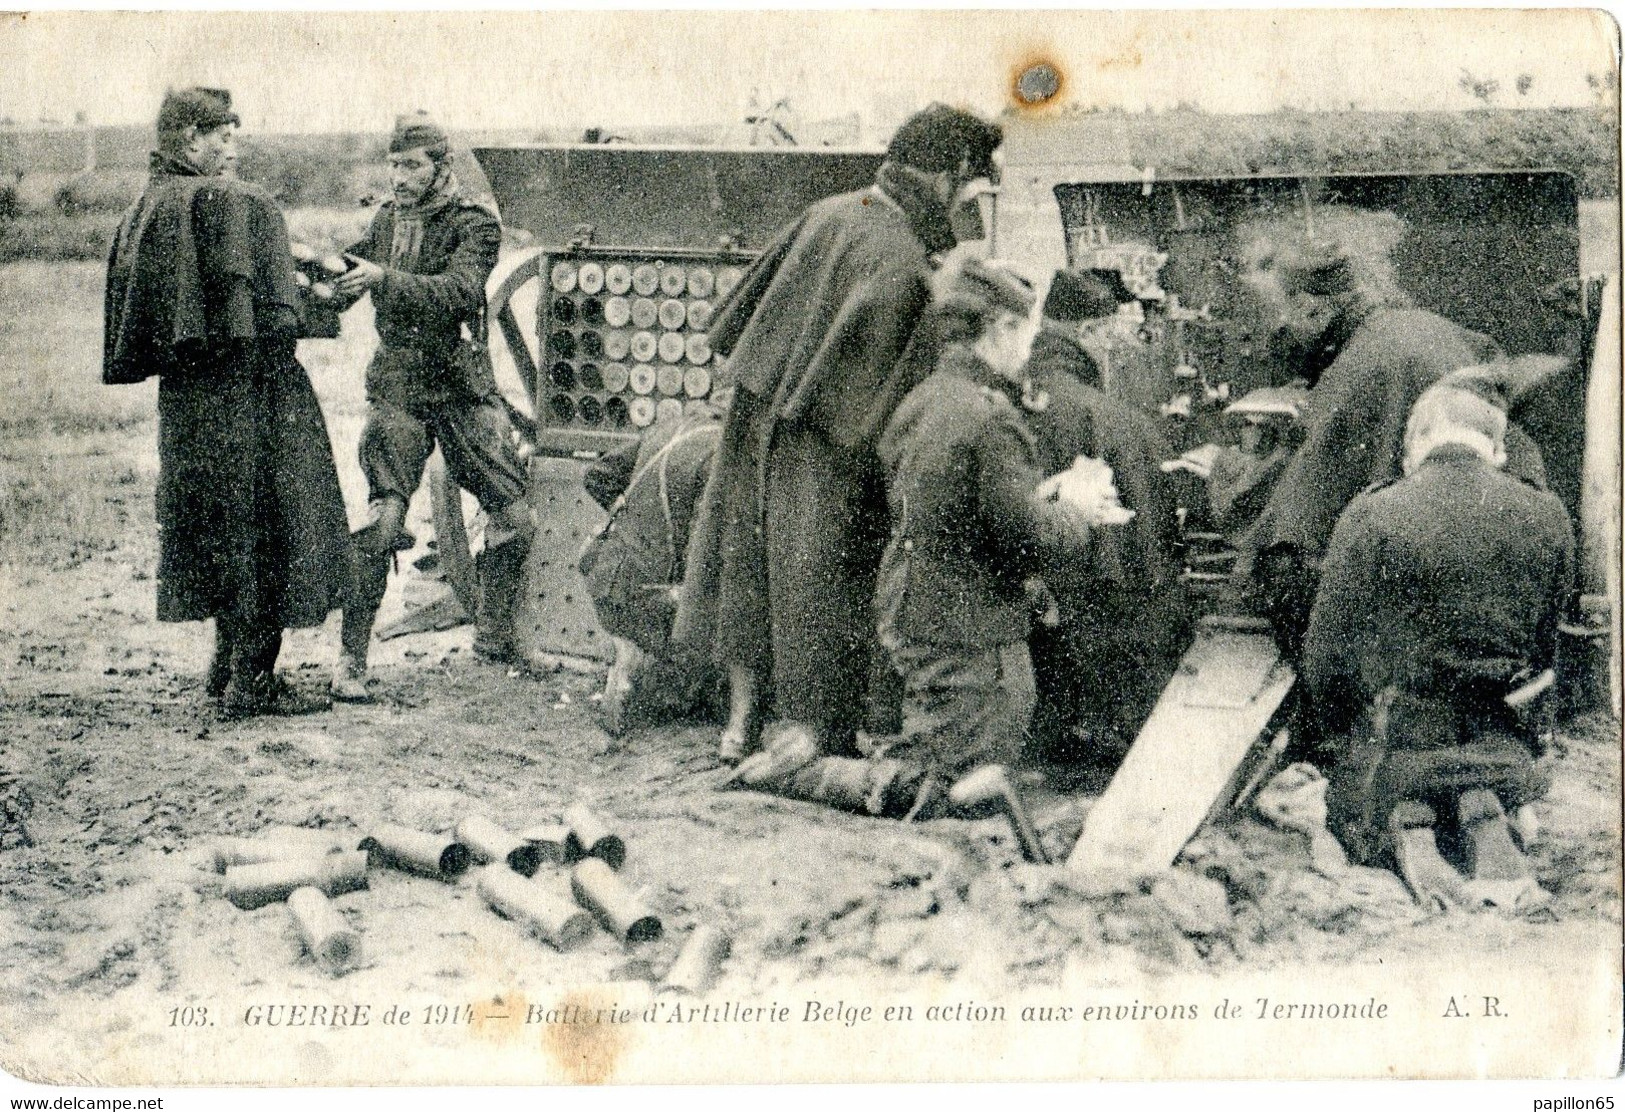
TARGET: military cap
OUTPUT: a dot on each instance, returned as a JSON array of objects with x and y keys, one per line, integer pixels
[
  {"x": 1079, "y": 295},
  {"x": 205, "y": 109},
  {"x": 418, "y": 129},
  {"x": 939, "y": 138},
  {"x": 1322, "y": 271},
  {"x": 981, "y": 285}
]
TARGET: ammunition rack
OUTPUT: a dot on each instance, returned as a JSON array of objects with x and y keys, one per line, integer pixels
[{"x": 622, "y": 334}]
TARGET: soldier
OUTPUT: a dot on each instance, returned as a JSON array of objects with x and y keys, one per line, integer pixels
[
  {"x": 1341, "y": 323},
  {"x": 1439, "y": 601},
  {"x": 973, "y": 524},
  {"x": 782, "y": 575},
  {"x": 634, "y": 567},
  {"x": 200, "y": 292},
  {"x": 425, "y": 260},
  {"x": 1122, "y": 614}
]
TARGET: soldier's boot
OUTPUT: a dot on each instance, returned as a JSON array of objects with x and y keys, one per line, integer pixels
[
  {"x": 254, "y": 687},
  {"x": 349, "y": 683},
  {"x": 742, "y": 736},
  {"x": 220, "y": 662},
  {"x": 618, "y": 686},
  {"x": 501, "y": 571},
  {"x": 1432, "y": 881}
]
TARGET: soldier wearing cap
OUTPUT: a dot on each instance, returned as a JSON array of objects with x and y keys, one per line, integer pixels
[
  {"x": 1342, "y": 323},
  {"x": 1439, "y": 602},
  {"x": 200, "y": 293},
  {"x": 781, "y": 575},
  {"x": 425, "y": 260},
  {"x": 1122, "y": 614},
  {"x": 972, "y": 527}
]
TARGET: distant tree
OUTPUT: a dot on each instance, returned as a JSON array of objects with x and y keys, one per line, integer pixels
[
  {"x": 1482, "y": 88},
  {"x": 1525, "y": 83}
]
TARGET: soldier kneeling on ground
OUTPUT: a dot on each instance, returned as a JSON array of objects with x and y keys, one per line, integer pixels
[
  {"x": 1430, "y": 636},
  {"x": 634, "y": 567},
  {"x": 974, "y": 521}
]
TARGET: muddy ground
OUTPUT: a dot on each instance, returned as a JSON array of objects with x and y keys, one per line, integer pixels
[{"x": 117, "y": 778}]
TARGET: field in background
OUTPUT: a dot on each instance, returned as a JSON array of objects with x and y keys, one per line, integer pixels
[{"x": 52, "y": 208}]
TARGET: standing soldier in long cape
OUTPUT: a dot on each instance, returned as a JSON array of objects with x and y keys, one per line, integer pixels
[
  {"x": 783, "y": 560},
  {"x": 200, "y": 292}
]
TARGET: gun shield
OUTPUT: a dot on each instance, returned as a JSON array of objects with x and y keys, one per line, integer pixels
[
  {"x": 432, "y": 855},
  {"x": 489, "y": 842},
  {"x": 548, "y": 915},
  {"x": 590, "y": 836},
  {"x": 251, "y": 886},
  {"x": 323, "y": 930},
  {"x": 699, "y": 961},
  {"x": 598, "y": 889}
]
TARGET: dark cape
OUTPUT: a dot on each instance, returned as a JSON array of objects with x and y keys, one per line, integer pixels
[
  {"x": 1124, "y": 614},
  {"x": 1354, "y": 420},
  {"x": 1353, "y": 428},
  {"x": 785, "y": 549},
  {"x": 200, "y": 292}
]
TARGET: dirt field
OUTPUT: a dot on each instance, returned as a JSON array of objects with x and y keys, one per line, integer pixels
[{"x": 116, "y": 778}]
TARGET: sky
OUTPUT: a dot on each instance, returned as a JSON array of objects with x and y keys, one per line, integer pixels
[{"x": 304, "y": 72}]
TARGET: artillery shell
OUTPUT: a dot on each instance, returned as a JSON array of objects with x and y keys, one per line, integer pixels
[
  {"x": 552, "y": 843},
  {"x": 590, "y": 277},
  {"x": 644, "y": 313},
  {"x": 549, "y": 916},
  {"x": 618, "y": 278},
  {"x": 642, "y": 411},
  {"x": 598, "y": 889},
  {"x": 673, "y": 313},
  {"x": 727, "y": 278},
  {"x": 489, "y": 842},
  {"x": 278, "y": 845},
  {"x": 669, "y": 409},
  {"x": 430, "y": 854},
  {"x": 323, "y": 930},
  {"x": 701, "y": 282},
  {"x": 251, "y": 886},
  {"x": 671, "y": 348},
  {"x": 591, "y": 836},
  {"x": 699, "y": 961},
  {"x": 673, "y": 280}
]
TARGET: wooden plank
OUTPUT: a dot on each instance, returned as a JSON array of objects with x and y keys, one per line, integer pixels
[{"x": 1213, "y": 712}]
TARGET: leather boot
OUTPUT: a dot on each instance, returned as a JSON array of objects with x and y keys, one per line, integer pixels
[
  {"x": 502, "y": 581},
  {"x": 220, "y": 662},
  {"x": 349, "y": 682},
  {"x": 255, "y": 688}
]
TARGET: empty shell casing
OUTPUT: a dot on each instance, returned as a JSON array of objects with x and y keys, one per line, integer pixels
[
  {"x": 699, "y": 961},
  {"x": 489, "y": 842},
  {"x": 553, "y": 843},
  {"x": 275, "y": 845},
  {"x": 432, "y": 855},
  {"x": 547, "y": 914},
  {"x": 251, "y": 886},
  {"x": 598, "y": 889},
  {"x": 323, "y": 930},
  {"x": 591, "y": 836}
]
